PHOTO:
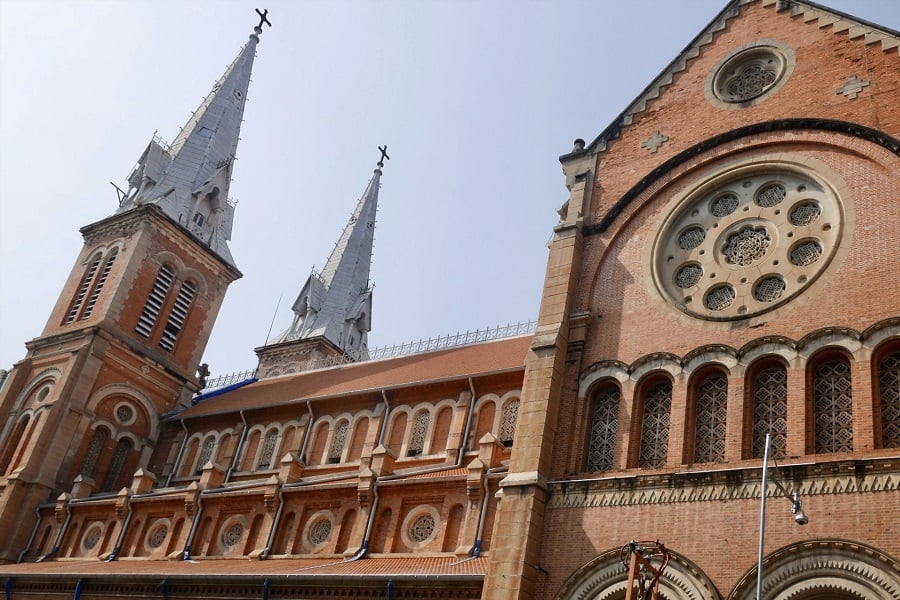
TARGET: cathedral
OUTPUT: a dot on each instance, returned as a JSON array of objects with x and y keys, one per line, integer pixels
[{"x": 707, "y": 408}]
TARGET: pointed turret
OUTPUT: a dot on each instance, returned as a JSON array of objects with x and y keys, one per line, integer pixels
[
  {"x": 189, "y": 179},
  {"x": 336, "y": 304},
  {"x": 332, "y": 313}
]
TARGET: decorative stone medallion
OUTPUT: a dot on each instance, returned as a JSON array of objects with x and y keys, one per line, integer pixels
[{"x": 747, "y": 240}]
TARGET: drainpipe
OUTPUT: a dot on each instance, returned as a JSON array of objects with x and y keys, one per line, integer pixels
[
  {"x": 476, "y": 551},
  {"x": 180, "y": 453},
  {"x": 78, "y": 587},
  {"x": 365, "y": 545},
  {"x": 115, "y": 553},
  {"x": 387, "y": 412},
  {"x": 164, "y": 588},
  {"x": 272, "y": 532},
  {"x": 37, "y": 524},
  {"x": 59, "y": 537},
  {"x": 237, "y": 452},
  {"x": 465, "y": 444},
  {"x": 266, "y": 589},
  {"x": 186, "y": 553},
  {"x": 8, "y": 587},
  {"x": 390, "y": 589},
  {"x": 308, "y": 431}
]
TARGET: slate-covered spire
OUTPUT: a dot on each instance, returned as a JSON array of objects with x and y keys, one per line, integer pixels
[
  {"x": 336, "y": 304},
  {"x": 189, "y": 179}
]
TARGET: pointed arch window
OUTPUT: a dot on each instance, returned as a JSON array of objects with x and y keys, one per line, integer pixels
[
  {"x": 604, "y": 425},
  {"x": 83, "y": 289},
  {"x": 889, "y": 399},
  {"x": 833, "y": 406},
  {"x": 508, "y": 419},
  {"x": 98, "y": 441},
  {"x": 268, "y": 451},
  {"x": 655, "y": 418},
  {"x": 420, "y": 429},
  {"x": 123, "y": 449},
  {"x": 711, "y": 396},
  {"x": 338, "y": 441},
  {"x": 155, "y": 301},
  {"x": 769, "y": 390}
]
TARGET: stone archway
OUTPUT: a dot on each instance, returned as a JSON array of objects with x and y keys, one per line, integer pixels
[
  {"x": 605, "y": 578},
  {"x": 830, "y": 569}
]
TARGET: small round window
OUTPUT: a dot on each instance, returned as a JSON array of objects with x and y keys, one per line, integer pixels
[{"x": 749, "y": 74}]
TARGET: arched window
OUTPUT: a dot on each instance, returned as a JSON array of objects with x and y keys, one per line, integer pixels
[
  {"x": 155, "y": 301},
  {"x": 420, "y": 430},
  {"x": 508, "y": 421},
  {"x": 604, "y": 425},
  {"x": 889, "y": 399},
  {"x": 177, "y": 316},
  {"x": 83, "y": 289},
  {"x": 769, "y": 401},
  {"x": 12, "y": 443},
  {"x": 123, "y": 448},
  {"x": 656, "y": 403},
  {"x": 833, "y": 406},
  {"x": 338, "y": 441},
  {"x": 711, "y": 397},
  {"x": 93, "y": 452},
  {"x": 206, "y": 452},
  {"x": 98, "y": 286},
  {"x": 268, "y": 450}
]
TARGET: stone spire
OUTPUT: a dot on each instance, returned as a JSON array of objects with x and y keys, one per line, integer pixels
[
  {"x": 336, "y": 304},
  {"x": 189, "y": 179}
]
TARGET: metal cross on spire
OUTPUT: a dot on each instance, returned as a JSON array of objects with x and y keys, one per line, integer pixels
[
  {"x": 384, "y": 155},
  {"x": 262, "y": 19}
]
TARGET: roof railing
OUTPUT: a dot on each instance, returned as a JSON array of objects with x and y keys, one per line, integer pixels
[{"x": 443, "y": 342}]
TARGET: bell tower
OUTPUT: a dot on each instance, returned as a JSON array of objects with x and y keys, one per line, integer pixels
[{"x": 80, "y": 413}]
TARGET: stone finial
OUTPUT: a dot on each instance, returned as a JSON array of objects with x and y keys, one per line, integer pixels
[{"x": 142, "y": 482}]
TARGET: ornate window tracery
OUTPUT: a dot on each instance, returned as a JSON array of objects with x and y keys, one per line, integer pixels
[
  {"x": 769, "y": 391},
  {"x": 422, "y": 528},
  {"x": 604, "y": 425},
  {"x": 420, "y": 429},
  {"x": 833, "y": 405},
  {"x": 98, "y": 441},
  {"x": 509, "y": 418},
  {"x": 206, "y": 452},
  {"x": 655, "y": 418},
  {"x": 889, "y": 397},
  {"x": 268, "y": 450},
  {"x": 123, "y": 448},
  {"x": 338, "y": 441},
  {"x": 709, "y": 431}
]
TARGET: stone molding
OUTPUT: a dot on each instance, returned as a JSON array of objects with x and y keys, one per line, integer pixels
[{"x": 632, "y": 489}]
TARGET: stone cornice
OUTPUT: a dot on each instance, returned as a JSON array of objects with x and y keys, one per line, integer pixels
[{"x": 632, "y": 489}]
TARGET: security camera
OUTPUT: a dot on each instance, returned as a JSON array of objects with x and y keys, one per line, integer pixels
[{"x": 801, "y": 518}]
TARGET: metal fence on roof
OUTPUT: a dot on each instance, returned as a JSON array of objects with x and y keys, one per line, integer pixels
[{"x": 443, "y": 342}]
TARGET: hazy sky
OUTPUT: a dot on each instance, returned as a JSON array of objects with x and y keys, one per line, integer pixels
[{"x": 475, "y": 100}]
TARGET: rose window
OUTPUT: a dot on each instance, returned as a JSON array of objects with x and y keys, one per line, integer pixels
[
  {"x": 92, "y": 537},
  {"x": 319, "y": 532},
  {"x": 746, "y": 241},
  {"x": 749, "y": 73},
  {"x": 747, "y": 246},
  {"x": 158, "y": 536},
  {"x": 232, "y": 535},
  {"x": 422, "y": 529},
  {"x": 124, "y": 413}
]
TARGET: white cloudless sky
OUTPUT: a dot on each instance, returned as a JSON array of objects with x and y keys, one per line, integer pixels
[{"x": 475, "y": 100}]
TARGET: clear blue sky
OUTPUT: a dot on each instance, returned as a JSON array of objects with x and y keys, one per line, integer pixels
[{"x": 476, "y": 100}]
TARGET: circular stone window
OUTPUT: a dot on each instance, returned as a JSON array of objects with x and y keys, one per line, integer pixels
[
  {"x": 158, "y": 534},
  {"x": 747, "y": 241},
  {"x": 749, "y": 74},
  {"x": 124, "y": 413},
  {"x": 319, "y": 531},
  {"x": 232, "y": 534},
  {"x": 420, "y": 527},
  {"x": 43, "y": 393},
  {"x": 92, "y": 536}
]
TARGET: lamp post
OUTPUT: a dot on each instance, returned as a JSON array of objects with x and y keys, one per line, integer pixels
[{"x": 796, "y": 510}]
